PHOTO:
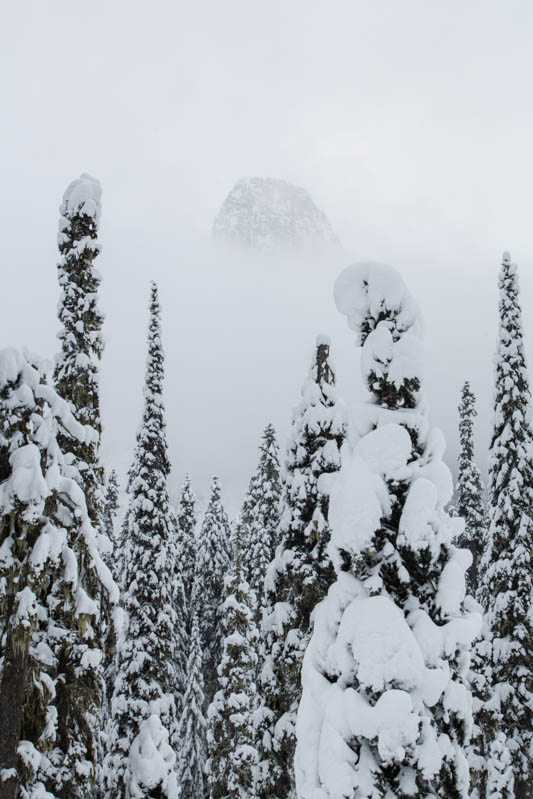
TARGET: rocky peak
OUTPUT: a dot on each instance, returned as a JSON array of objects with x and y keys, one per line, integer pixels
[{"x": 267, "y": 214}]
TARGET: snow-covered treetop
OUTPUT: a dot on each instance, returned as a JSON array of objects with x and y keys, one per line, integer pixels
[
  {"x": 268, "y": 214},
  {"x": 383, "y": 313},
  {"x": 368, "y": 293},
  {"x": 82, "y": 196}
]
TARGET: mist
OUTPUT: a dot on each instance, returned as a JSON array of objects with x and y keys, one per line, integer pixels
[{"x": 415, "y": 144}]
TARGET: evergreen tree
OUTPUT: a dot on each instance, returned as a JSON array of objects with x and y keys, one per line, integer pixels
[
  {"x": 76, "y": 371},
  {"x": 232, "y": 752},
  {"x": 187, "y": 535},
  {"x": 300, "y": 575},
  {"x": 192, "y": 729},
  {"x": 385, "y": 709},
  {"x": 470, "y": 499},
  {"x": 212, "y": 565},
  {"x": 259, "y": 519},
  {"x": 508, "y": 560},
  {"x": 51, "y": 579},
  {"x": 145, "y": 703},
  {"x": 109, "y": 519},
  {"x": 111, "y": 505},
  {"x": 491, "y": 773}
]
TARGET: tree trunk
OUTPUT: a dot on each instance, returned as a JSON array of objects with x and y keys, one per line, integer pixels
[{"x": 12, "y": 689}]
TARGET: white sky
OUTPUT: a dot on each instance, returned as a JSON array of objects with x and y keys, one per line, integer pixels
[{"x": 410, "y": 123}]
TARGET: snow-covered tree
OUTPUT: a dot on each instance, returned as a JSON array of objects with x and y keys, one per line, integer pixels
[
  {"x": 259, "y": 518},
  {"x": 187, "y": 535},
  {"x": 491, "y": 774},
  {"x": 76, "y": 371},
  {"x": 148, "y": 682},
  {"x": 51, "y": 580},
  {"x": 192, "y": 730},
  {"x": 470, "y": 502},
  {"x": 212, "y": 565},
  {"x": 76, "y": 374},
  {"x": 301, "y": 573},
  {"x": 232, "y": 752},
  {"x": 152, "y": 762},
  {"x": 111, "y": 504},
  {"x": 385, "y": 711},
  {"x": 109, "y": 523},
  {"x": 111, "y": 623},
  {"x": 507, "y": 564}
]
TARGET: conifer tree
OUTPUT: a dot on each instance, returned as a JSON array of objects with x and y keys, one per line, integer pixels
[
  {"x": 212, "y": 565},
  {"x": 385, "y": 709},
  {"x": 232, "y": 752},
  {"x": 192, "y": 731},
  {"x": 76, "y": 371},
  {"x": 111, "y": 505},
  {"x": 491, "y": 774},
  {"x": 300, "y": 575},
  {"x": 259, "y": 519},
  {"x": 145, "y": 702},
  {"x": 508, "y": 560},
  {"x": 51, "y": 580},
  {"x": 187, "y": 536},
  {"x": 470, "y": 503},
  {"x": 111, "y": 554},
  {"x": 109, "y": 520}
]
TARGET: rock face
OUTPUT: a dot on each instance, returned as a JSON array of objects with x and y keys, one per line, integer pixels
[{"x": 267, "y": 214}]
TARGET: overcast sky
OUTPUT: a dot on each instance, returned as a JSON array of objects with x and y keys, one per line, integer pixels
[{"x": 410, "y": 123}]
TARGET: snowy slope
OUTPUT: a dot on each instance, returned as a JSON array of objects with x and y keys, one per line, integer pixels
[{"x": 267, "y": 214}]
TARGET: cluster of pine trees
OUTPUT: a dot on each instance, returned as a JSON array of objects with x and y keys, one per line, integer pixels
[{"x": 149, "y": 651}]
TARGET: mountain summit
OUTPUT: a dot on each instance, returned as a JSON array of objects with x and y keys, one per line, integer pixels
[{"x": 267, "y": 214}]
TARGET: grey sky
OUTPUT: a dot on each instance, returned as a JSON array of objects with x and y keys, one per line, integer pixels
[{"x": 410, "y": 123}]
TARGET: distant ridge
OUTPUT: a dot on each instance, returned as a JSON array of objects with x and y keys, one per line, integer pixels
[{"x": 272, "y": 215}]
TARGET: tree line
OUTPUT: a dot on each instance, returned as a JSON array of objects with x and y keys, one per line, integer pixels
[{"x": 160, "y": 652}]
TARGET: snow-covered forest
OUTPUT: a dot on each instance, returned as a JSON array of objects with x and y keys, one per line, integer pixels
[{"x": 361, "y": 629}]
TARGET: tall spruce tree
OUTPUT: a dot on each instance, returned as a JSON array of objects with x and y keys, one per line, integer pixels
[
  {"x": 187, "y": 536},
  {"x": 111, "y": 556},
  {"x": 192, "y": 730},
  {"x": 259, "y": 518},
  {"x": 385, "y": 709},
  {"x": 145, "y": 701},
  {"x": 470, "y": 504},
  {"x": 507, "y": 565},
  {"x": 109, "y": 523},
  {"x": 111, "y": 505},
  {"x": 489, "y": 758},
  {"x": 51, "y": 578},
  {"x": 232, "y": 752},
  {"x": 76, "y": 371},
  {"x": 212, "y": 565},
  {"x": 301, "y": 573}
]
